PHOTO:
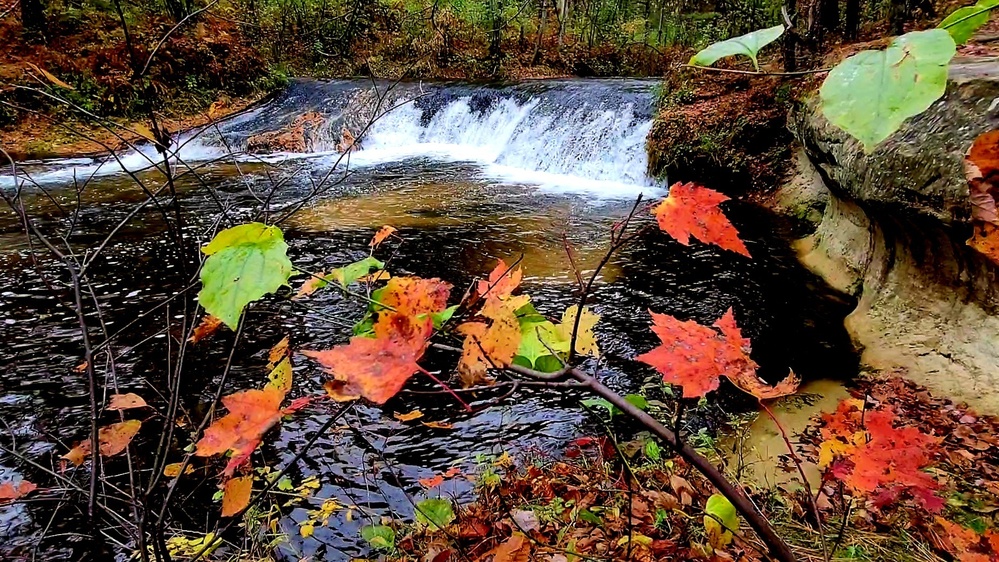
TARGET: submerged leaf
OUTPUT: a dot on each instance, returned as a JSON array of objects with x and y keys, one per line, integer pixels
[{"x": 10, "y": 491}]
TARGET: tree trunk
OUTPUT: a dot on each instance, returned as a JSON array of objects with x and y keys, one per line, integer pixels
[
  {"x": 542, "y": 19},
  {"x": 33, "y": 20},
  {"x": 829, "y": 14},
  {"x": 496, "y": 33},
  {"x": 790, "y": 38},
  {"x": 852, "y": 24},
  {"x": 896, "y": 16}
]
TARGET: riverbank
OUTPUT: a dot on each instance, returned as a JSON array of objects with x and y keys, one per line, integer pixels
[{"x": 619, "y": 496}]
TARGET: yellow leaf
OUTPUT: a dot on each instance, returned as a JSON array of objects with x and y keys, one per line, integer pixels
[
  {"x": 586, "y": 340},
  {"x": 280, "y": 376},
  {"x": 172, "y": 470},
  {"x": 306, "y": 530},
  {"x": 636, "y": 538},
  {"x": 236, "y": 495},
  {"x": 438, "y": 425},
  {"x": 277, "y": 353},
  {"x": 415, "y": 414}
]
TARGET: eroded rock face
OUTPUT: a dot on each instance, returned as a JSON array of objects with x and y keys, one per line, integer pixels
[
  {"x": 893, "y": 234},
  {"x": 301, "y": 136}
]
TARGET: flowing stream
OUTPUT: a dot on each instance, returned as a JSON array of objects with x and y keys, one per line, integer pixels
[{"x": 468, "y": 174}]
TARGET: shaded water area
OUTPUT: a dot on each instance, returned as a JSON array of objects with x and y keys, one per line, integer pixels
[{"x": 468, "y": 174}]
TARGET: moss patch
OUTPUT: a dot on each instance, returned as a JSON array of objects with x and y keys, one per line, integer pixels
[{"x": 727, "y": 131}]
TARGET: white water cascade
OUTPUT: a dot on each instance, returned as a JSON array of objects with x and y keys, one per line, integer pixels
[{"x": 573, "y": 136}]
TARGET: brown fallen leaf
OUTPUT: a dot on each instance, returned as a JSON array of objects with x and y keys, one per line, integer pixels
[{"x": 126, "y": 401}]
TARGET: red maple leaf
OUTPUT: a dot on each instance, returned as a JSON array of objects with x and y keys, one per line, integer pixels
[
  {"x": 692, "y": 210},
  {"x": 884, "y": 461},
  {"x": 372, "y": 368},
  {"x": 696, "y": 357},
  {"x": 252, "y": 413}
]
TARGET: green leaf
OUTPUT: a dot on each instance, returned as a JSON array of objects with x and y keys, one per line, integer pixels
[
  {"x": 244, "y": 263},
  {"x": 871, "y": 94},
  {"x": 381, "y": 537},
  {"x": 601, "y": 403},
  {"x": 538, "y": 339},
  {"x": 441, "y": 318},
  {"x": 588, "y": 516},
  {"x": 748, "y": 45},
  {"x": 652, "y": 451},
  {"x": 638, "y": 401},
  {"x": 434, "y": 513},
  {"x": 351, "y": 273},
  {"x": 365, "y": 326},
  {"x": 963, "y": 22},
  {"x": 285, "y": 485},
  {"x": 720, "y": 517}
]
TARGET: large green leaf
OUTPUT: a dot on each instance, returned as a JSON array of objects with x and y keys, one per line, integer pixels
[
  {"x": 380, "y": 537},
  {"x": 748, "y": 45},
  {"x": 871, "y": 94},
  {"x": 720, "y": 520},
  {"x": 963, "y": 22},
  {"x": 244, "y": 263},
  {"x": 435, "y": 513}
]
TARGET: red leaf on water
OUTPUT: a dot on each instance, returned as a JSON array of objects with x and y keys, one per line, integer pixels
[
  {"x": 692, "y": 210},
  {"x": 696, "y": 357},
  {"x": 251, "y": 414},
  {"x": 205, "y": 329},
  {"x": 372, "y": 368}
]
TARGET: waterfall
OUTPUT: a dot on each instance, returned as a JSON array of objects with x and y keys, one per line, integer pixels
[{"x": 564, "y": 135}]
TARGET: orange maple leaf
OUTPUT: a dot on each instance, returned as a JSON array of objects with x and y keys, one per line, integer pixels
[
  {"x": 492, "y": 345},
  {"x": 408, "y": 303},
  {"x": 502, "y": 282},
  {"x": 380, "y": 236},
  {"x": 252, "y": 413},
  {"x": 372, "y": 368},
  {"x": 692, "y": 210},
  {"x": 112, "y": 439},
  {"x": 236, "y": 495},
  {"x": 208, "y": 326}
]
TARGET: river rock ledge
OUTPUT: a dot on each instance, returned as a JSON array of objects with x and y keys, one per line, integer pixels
[{"x": 892, "y": 233}]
